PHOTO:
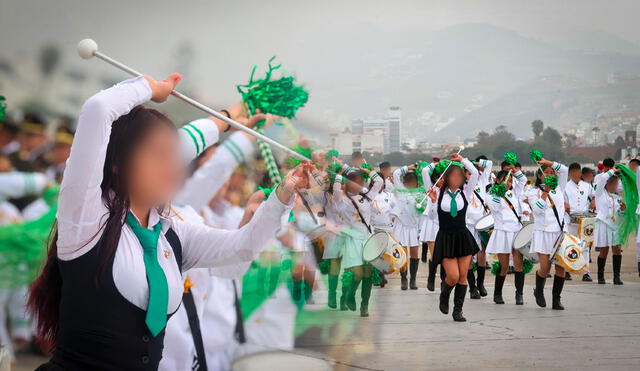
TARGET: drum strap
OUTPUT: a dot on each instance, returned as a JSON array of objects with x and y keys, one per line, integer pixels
[
  {"x": 359, "y": 213},
  {"x": 200, "y": 363},
  {"x": 239, "y": 330},
  {"x": 306, "y": 205},
  {"x": 481, "y": 201},
  {"x": 513, "y": 209},
  {"x": 555, "y": 212}
]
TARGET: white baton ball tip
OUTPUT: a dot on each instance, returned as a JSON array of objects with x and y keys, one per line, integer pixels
[{"x": 87, "y": 48}]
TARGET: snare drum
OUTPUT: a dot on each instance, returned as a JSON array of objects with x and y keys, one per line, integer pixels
[
  {"x": 385, "y": 253},
  {"x": 586, "y": 225},
  {"x": 522, "y": 243},
  {"x": 274, "y": 360},
  {"x": 567, "y": 253},
  {"x": 484, "y": 226}
]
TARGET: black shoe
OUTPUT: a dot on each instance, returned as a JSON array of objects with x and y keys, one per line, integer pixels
[
  {"x": 558, "y": 284},
  {"x": 519, "y": 299},
  {"x": 538, "y": 292},
  {"x": 458, "y": 302},
  {"x": 497, "y": 291},
  {"x": 383, "y": 282},
  {"x": 586, "y": 278},
  {"x": 567, "y": 276},
  {"x": 519, "y": 281},
  {"x": 431, "y": 278},
  {"x": 483, "y": 291},
  {"x": 332, "y": 301},
  {"x": 343, "y": 304},
  {"x": 617, "y": 262},
  {"x": 364, "y": 311},
  {"x": 480, "y": 281},
  {"x": 474, "y": 293},
  {"x": 445, "y": 293},
  {"x": 414, "y": 263},
  {"x": 412, "y": 284},
  {"x": 403, "y": 283},
  {"x": 601, "y": 264},
  {"x": 638, "y": 269}
]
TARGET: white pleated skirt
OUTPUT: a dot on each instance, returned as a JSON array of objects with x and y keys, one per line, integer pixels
[
  {"x": 605, "y": 235},
  {"x": 406, "y": 235},
  {"x": 501, "y": 242},
  {"x": 331, "y": 249},
  {"x": 350, "y": 243},
  {"x": 425, "y": 223},
  {"x": 544, "y": 242},
  {"x": 431, "y": 231}
]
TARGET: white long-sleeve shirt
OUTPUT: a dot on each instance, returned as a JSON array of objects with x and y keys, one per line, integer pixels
[
  {"x": 476, "y": 209},
  {"x": 404, "y": 207},
  {"x": 468, "y": 190},
  {"x": 346, "y": 214},
  {"x": 503, "y": 216},
  {"x": 82, "y": 213},
  {"x": 578, "y": 196},
  {"x": 607, "y": 203},
  {"x": 544, "y": 217}
]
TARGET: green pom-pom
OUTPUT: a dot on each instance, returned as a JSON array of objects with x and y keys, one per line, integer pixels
[
  {"x": 281, "y": 97},
  {"x": 420, "y": 165},
  {"x": 347, "y": 278},
  {"x": 441, "y": 166},
  {"x": 527, "y": 266},
  {"x": 305, "y": 151},
  {"x": 324, "y": 266},
  {"x": 421, "y": 207},
  {"x": 375, "y": 276},
  {"x": 365, "y": 175},
  {"x": 551, "y": 181},
  {"x": 331, "y": 154},
  {"x": 3, "y": 107},
  {"x": 333, "y": 170},
  {"x": 498, "y": 190},
  {"x": 535, "y": 155},
  {"x": 474, "y": 266},
  {"x": 495, "y": 268},
  {"x": 511, "y": 158},
  {"x": 267, "y": 191}
]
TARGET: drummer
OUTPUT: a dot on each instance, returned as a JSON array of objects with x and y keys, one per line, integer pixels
[
  {"x": 609, "y": 206},
  {"x": 507, "y": 212},
  {"x": 548, "y": 210},
  {"x": 381, "y": 217},
  {"x": 578, "y": 195}
]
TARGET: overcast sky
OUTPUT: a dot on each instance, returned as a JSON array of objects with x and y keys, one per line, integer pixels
[{"x": 231, "y": 36}]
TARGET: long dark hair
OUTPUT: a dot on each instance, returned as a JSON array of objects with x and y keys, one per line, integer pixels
[
  {"x": 540, "y": 176},
  {"x": 45, "y": 292}
]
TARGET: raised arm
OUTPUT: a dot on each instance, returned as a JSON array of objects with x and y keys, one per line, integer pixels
[
  {"x": 470, "y": 187},
  {"x": 426, "y": 175},
  {"x": 17, "y": 184},
  {"x": 485, "y": 176},
  {"x": 519, "y": 182},
  {"x": 397, "y": 177},
  {"x": 602, "y": 182},
  {"x": 377, "y": 185},
  {"x": 563, "y": 174}
]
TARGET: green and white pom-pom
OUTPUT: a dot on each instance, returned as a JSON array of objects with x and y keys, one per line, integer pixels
[
  {"x": 331, "y": 154},
  {"x": 365, "y": 175},
  {"x": 324, "y": 266},
  {"x": 303, "y": 150},
  {"x": 347, "y": 278},
  {"x": 281, "y": 97},
  {"x": 375, "y": 276},
  {"x": 527, "y": 266},
  {"x": 511, "y": 158},
  {"x": 269, "y": 160},
  {"x": 495, "y": 268},
  {"x": 535, "y": 155},
  {"x": 3, "y": 107},
  {"x": 551, "y": 181},
  {"x": 499, "y": 190}
]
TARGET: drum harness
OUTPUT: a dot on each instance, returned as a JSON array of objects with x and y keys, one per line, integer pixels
[
  {"x": 486, "y": 209},
  {"x": 513, "y": 209},
  {"x": 359, "y": 213}
]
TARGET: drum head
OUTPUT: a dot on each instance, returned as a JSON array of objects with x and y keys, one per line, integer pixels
[
  {"x": 485, "y": 222},
  {"x": 569, "y": 253},
  {"x": 279, "y": 359},
  {"x": 375, "y": 245},
  {"x": 523, "y": 237}
]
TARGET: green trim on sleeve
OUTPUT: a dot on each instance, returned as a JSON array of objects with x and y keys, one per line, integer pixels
[
  {"x": 231, "y": 150},
  {"x": 193, "y": 137},
  {"x": 204, "y": 142},
  {"x": 238, "y": 149}
]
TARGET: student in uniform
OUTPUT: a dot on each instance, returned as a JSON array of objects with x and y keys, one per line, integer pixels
[
  {"x": 455, "y": 246},
  {"x": 609, "y": 205},
  {"x": 113, "y": 273},
  {"x": 429, "y": 224},
  {"x": 548, "y": 211},
  {"x": 578, "y": 195},
  {"x": 407, "y": 195},
  {"x": 382, "y": 219},
  {"x": 507, "y": 212}
]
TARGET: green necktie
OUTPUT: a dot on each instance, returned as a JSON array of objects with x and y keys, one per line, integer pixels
[
  {"x": 156, "y": 318},
  {"x": 454, "y": 204}
]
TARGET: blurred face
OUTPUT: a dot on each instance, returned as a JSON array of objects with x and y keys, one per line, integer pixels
[
  {"x": 357, "y": 161},
  {"x": 633, "y": 165},
  {"x": 155, "y": 169},
  {"x": 587, "y": 177},
  {"x": 411, "y": 183},
  {"x": 386, "y": 172},
  {"x": 575, "y": 175},
  {"x": 5, "y": 164},
  {"x": 31, "y": 142},
  {"x": 60, "y": 153},
  {"x": 456, "y": 177},
  {"x": 354, "y": 186},
  {"x": 612, "y": 184},
  {"x": 548, "y": 171}
]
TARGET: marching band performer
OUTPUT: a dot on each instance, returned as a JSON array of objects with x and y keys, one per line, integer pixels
[
  {"x": 454, "y": 246},
  {"x": 429, "y": 224},
  {"x": 609, "y": 205},
  {"x": 507, "y": 212},
  {"x": 547, "y": 203},
  {"x": 382, "y": 219},
  {"x": 578, "y": 195},
  {"x": 353, "y": 213},
  {"x": 113, "y": 273},
  {"x": 407, "y": 194},
  {"x": 477, "y": 209}
]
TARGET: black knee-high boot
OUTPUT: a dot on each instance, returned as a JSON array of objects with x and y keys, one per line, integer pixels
[
  {"x": 445, "y": 293},
  {"x": 425, "y": 252},
  {"x": 403, "y": 280},
  {"x": 519, "y": 279},
  {"x": 431, "y": 278},
  {"x": 601, "y": 263},
  {"x": 333, "y": 286},
  {"x": 473, "y": 290},
  {"x": 443, "y": 273},
  {"x": 383, "y": 280},
  {"x": 538, "y": 292},
  {"x": 480, "y": 281},
  {"x": 414, "y": 263},
  {"x": 344, "y": 297},
  {"x": 458, "y": 302},
  {"x": 365, "y": 294},
  {"x": 558, "y": 284},
  {"x": 497, "y": 291},
  {"x": 351, "y": 298},
  {"x": 617, "y": 262}
]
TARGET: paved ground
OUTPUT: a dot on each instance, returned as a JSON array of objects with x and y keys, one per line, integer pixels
[{"x": 600, "y": 329}]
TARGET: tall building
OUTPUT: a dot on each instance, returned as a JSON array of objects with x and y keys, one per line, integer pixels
[
  {"x": 378, "y": 135},
  {"x": 394, "y": 116}
]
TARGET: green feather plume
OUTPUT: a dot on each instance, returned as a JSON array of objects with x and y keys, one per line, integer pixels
[
  {"x": 511, "y": 158},
  {"x": 281, "y": 97},
  {"x": 535, "y": 155},
  {"x": 629, "y": 223}
]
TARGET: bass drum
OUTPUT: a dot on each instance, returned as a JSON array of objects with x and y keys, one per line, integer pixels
[
  {"x": 275, "y": 360},
  {"x": 568, "y": 253},
  {"x": 484, "y": 226},
  {"x": 385, "y": 253},
  {"x": 522, "y": 243}
]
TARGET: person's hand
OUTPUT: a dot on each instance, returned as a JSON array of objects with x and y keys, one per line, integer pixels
[
  {"x": 238, "y": 111},
  {"x": 510, "y": 168},
  {"x": 623, "y": 206},
  {"x": 456, "y": 157},
  {"x": 616, "y": 170},
  {"x": 296, "y": 180},
  {"x": 160, "y": 90},
  {"x": 433, "y": 195},
  {"x": 545, "y": 162},
  {"x": 545, "y": 194},
  {"x": 526, "y": 212},
  {"x": 411, "y": 167},
  {"x": 252, "y": 121}
]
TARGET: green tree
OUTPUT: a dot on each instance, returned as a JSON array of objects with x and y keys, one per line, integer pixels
[
  {"x": 552, "y": 136},
  {"x": 537, "y": 126},
  {"x": 620, "y": 143}
]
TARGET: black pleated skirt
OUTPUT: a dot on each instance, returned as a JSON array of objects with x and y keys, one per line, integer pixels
[{"x": 454, "y": 245}]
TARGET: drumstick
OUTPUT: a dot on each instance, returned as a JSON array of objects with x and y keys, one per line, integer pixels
[{"x": 88, "y": 49}]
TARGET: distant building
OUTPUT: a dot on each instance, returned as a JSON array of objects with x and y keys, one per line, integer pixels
[{"x": 379, "y": 135}]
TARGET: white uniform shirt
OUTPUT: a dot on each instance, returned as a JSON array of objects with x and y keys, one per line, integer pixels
[
  {"x": 346, "y": 214},
  {"x": 381, "y": 216},
  {"x": 16, "y": 184},
  {"x": 468, "y": 190},
  {"x": 476, "y": 210},
  {"x": 504, "y": 217},
  {"x": 82, "y": 213},
  {"x": 578, "y": 196},
  {"x": 544, "y": 217},
  {"x": 607, "y": 203},
  {"x": 404, "y": 207}
]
